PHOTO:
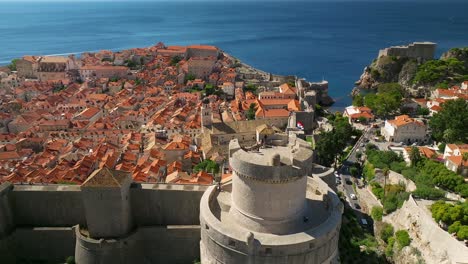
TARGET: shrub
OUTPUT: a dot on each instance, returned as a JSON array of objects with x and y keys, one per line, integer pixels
[
  {"x": 410, "y": 173},
  {"x": 402, "y": 238},
  {"x": 375, "y": 73},
  {"x": 386, "y": 232},
  {"x": 382, "y": 159},
  {"x": 378, "y": 192},
  {"x": 427, "y": 192},
  {"x": 389, "y": 248},
  {"x": 369, "y": 171},
  {"x": 462, "y": 233},
  {"x": 398, "y": 166},
  {"x": 353, "y": 171},
  {"x": 70, "y": 260},
  {"x": 377, "y": 213},
  {"x": 438, "y": 70},
  {"x": 453, "y": 228}
]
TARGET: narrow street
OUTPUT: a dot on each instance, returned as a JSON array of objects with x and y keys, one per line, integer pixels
[{"x": 363, "y": 201}]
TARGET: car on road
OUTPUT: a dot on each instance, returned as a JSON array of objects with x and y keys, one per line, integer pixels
[
  {"x": 338, "y": 182},
  {"x": 353, "y": 196},
  {"x": 357, "y": 206},
  {"x": 336, "y": 173},
  {"x": 348, "y": 181},
  {"x": 363, "y": 222}
]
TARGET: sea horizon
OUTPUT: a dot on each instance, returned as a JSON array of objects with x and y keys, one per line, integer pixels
[{"x": 316, "y": 40}]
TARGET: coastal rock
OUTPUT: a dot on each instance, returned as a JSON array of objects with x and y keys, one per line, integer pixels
[{"x": 390, "y": 69}]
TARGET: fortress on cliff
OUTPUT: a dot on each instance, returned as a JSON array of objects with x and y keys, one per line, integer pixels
[
  {"x": 273, "y": 210},
  {"x": 416, "y": 50}
]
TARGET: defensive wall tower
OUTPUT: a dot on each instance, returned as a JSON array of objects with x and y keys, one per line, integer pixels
[
  {"x": 416, "y": 50},
  {"x": 106, "y": 220},
  {"x": 271, "y": 212}
]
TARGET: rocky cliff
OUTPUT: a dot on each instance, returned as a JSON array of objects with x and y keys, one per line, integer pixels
[
  {"x": 435, "y": 245},
  {"x": 417, "y": 76}
]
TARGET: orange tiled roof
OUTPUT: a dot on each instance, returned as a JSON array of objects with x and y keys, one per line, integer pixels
[{"x": 404, "y": 120}]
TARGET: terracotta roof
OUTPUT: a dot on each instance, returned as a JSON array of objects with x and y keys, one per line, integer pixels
[
  {"x": 203, "y": 47},
  {"x": 287, "y": 89},
  {"x": 404, "y": 120},
  {"x": 362, "y": 114},
  {"x": 457, "y": 160},
  {"x": 104, "y": 67},
  {"x": 9, "y": 155},
  {"x": 89, "y": 112},
  {"x": 436, "y": 108},
  {"x": 54, "y": 59}
]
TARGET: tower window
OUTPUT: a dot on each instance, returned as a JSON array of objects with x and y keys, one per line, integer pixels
[{"x": 268, "y": 251}]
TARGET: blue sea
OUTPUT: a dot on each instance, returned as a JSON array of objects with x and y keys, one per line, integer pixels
[{"x": 312, "y": 39}]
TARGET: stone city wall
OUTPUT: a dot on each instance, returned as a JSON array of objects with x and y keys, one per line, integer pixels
[
  {"x": 42, "y": 205},
  {"x": 36, "y": 223},
  {"x": 436, "y": 245}
]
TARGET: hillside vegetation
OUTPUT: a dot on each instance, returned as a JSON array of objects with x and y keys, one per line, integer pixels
[{"x": 416, "y": 76}]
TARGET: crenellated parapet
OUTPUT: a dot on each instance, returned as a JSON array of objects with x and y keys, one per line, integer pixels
[{"x": 271, "y": 212}]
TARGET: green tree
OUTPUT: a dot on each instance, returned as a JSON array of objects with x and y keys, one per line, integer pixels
[
  {"x": 386, "y": 232},
  {"x": 251, "y": 87},
  {"x": 402, "y": 238},
  {"x": 369, "y": 171},
  {"x": 414, "y": 156},
  {"x": 441, "y": 147},
  {"x": 332, "y": 143},
  {"x": 251, "y": 111},
  {"x": 189, "y": 77},
  {"x": 451, "y": 123},
  {"x": 435, "y": 71},
  {"x": 175, "y": 60},
  {"x": 207, "y": 166},
  {"x": 12, "y": 65},
  {"x": 424, "y": 111},
  {"x": 376, "y": 213},
  {"x": 358, "y": 100},
  {"x": 387, "y": 100}
]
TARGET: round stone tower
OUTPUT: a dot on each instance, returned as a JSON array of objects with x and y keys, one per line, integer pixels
[{"x": 271, "y": 212}]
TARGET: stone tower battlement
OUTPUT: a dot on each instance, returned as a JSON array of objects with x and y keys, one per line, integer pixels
[
  {"x": 279, "y": 161},
  {"x": 416, "y": 50},
  {"x": 271, "y": 212}
]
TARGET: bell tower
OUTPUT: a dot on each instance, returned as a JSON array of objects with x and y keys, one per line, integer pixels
[{"x": 206, "y": 114}]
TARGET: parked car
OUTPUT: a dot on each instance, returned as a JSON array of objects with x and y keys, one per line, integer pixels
[
  {"x": 364, "y": 222},
  {"x": 348, "y": 181},
  {"x": 357, "y": 206},
  {"x": 353, "y": 196}
]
